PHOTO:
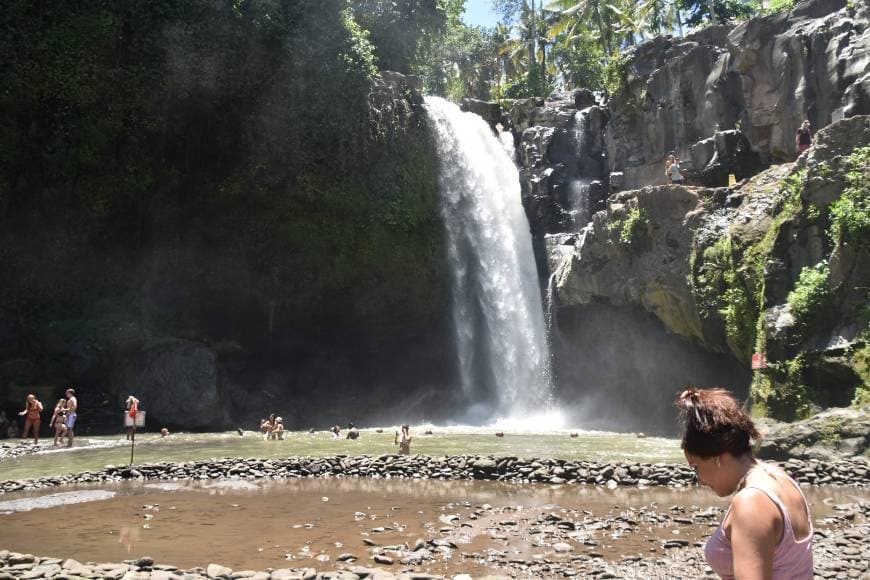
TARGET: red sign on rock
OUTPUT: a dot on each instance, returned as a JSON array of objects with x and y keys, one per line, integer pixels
[{"x": 759, "y": 361}]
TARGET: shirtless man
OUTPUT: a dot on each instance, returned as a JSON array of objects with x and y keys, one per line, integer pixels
[{"x": 72, "y": 407}]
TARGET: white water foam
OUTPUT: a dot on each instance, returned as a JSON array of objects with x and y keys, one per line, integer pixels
[{"x": 504, "y": 359}]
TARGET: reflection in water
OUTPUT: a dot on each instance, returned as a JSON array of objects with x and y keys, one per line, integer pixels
[{"x": 128, "y": 536}]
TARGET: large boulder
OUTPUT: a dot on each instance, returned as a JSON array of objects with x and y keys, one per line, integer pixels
[
  {"x": 178, "y": 383},
  {"x": 636, "y": 254},
  {"x": 827, "y": 436}
]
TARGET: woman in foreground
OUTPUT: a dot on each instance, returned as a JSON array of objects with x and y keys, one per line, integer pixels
[{"x": 767, "y": 531}]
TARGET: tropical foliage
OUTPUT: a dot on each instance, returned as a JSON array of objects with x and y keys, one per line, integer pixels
[{"x": 542, "y": 45}]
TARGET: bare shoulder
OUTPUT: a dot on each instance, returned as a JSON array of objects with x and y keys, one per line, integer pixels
[{"x": 752, "y": 509}]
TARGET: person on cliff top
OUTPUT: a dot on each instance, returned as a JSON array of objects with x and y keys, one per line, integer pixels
[
  {"x": 672, "y": 170},
  {"x": 767, "y": 531},
  {"x": 131, "y": 406},
  {"x": 32, "y": 418},
  {"x": 72, "y": 407},
  {"x": 404, "y": 440},
  {"x": 352, "y": 432},
  {"x": 803, "y": 137}
]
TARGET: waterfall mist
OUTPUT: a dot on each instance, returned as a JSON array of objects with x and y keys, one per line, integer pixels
[{"x": 503, "y": 357}]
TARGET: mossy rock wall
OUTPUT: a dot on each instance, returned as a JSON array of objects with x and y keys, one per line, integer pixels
[
  {"x": 235, "y": 174},
  {"x": 792, "y": 280}
]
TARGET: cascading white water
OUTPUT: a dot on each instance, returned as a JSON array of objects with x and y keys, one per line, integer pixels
[
  {"x": 501, "y": 340},
  {"x": 578, "y": 202}
]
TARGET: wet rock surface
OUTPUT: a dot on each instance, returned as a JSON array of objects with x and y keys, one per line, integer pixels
[
  {"x": 833, "y": 433},
  {"x": 850, "y": 471},
  {"x": 639, "y": 542},
  {"x": 16, "y": 448}
]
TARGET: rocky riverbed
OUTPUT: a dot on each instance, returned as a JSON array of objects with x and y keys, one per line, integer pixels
[
  {"x": 840, "y": 550},
  {"x": 852, "y": 471},
  {"x": 647, "y": 541},
  {"x": 16, "y": 448}
]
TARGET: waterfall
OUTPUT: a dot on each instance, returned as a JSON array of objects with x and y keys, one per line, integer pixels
[
  {"x": 504, "y": 359},
  {"x": 578, "y": 190}
]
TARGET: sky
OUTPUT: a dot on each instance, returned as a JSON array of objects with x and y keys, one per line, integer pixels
[{"x": 479, "y": 13}]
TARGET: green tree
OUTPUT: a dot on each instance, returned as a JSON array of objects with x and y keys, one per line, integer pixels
[
  {"x": 457, "y": 60},
  {"x": 396, "y": 26},
  {"x": 715, "y": 11}
]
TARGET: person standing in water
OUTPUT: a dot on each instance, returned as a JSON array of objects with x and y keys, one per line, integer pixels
[
  {"x": 404, "y": 440},
  {"x": 32, "y": 418},
  {"x": 58, "y": 420},
  {"x": 767, "y": 531},
  {"x": 72, "y": 408}
]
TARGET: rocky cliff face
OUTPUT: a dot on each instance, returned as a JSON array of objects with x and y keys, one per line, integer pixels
[
  {"x": 756, "y": 267},
  {"x": 761, "y": 78},
  {"x": 715, "y": 266},
  {"x": 224, "y": 234}
]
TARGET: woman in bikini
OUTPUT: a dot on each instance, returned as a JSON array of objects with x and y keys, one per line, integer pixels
[
  {"x": 767, "y": 532},
  {"x": 59, "y": 425},
  {"x": 32, "y": 419}
]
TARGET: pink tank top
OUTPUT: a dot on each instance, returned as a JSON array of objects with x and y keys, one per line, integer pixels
[{"x": 792, "y": 559}]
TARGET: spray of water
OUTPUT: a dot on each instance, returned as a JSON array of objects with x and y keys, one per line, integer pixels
[{"x": 504, "y": 359}]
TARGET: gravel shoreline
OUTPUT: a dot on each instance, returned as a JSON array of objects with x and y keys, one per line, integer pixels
[
  {"x": 839, "y": 553},
  {"x": 841, "y": 549},
  {"x": 848, "y": 472}
]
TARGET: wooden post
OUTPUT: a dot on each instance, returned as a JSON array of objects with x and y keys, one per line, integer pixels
[{"x": 133, "y": 442}]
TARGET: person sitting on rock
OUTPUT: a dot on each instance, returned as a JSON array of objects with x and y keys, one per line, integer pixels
[
  {"x": 404, "y": 441},
  {"x": 673, "y": 171},
  {"x": 352, "y": 432},
  {"x": 803, "y": 137}
]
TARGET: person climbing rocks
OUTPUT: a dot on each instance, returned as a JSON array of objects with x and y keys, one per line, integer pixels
[{"x": 803, "y": 137}]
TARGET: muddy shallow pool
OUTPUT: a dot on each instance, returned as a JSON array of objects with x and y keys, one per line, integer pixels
[{"x": 472, "y": 526}]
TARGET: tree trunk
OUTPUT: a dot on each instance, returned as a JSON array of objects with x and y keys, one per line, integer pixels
[{"x": 533, "y": 57}]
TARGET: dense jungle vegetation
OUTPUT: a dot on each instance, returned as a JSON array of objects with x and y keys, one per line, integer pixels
[{"x": 212, "y": 171}]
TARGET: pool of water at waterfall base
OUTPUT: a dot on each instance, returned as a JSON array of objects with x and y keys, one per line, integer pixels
[
  {"x": 94, "y": 453},
  {"x": 309, "y": 522}
]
